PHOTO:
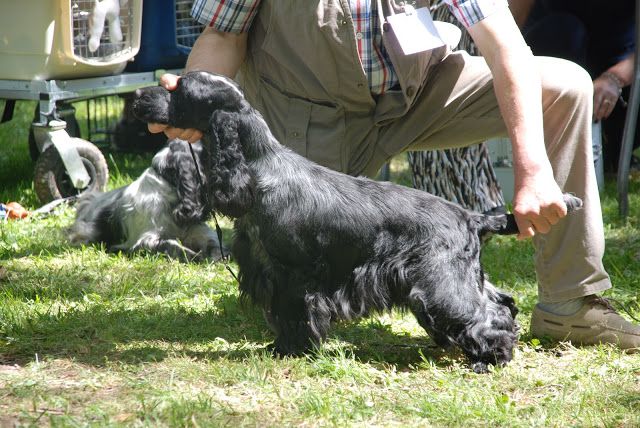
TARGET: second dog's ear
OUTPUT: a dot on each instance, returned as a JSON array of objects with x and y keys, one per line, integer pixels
[
  {"x": 180, "y": 169},
  {"x": 231, "y": 182}
]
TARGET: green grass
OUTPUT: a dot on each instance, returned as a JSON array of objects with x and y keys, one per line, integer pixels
[{"x": 95, "y": 339}]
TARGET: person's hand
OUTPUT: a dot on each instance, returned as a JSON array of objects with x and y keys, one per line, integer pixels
[
  {"x": 606, "y": 92},
  {"x": 170, "y": 82},
  {"x": 538, "y": 203}
]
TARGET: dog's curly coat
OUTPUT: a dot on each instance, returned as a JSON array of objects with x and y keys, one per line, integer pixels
[
  {"x": 315, "y": 246},
  {"x": 162, "y": 211}
]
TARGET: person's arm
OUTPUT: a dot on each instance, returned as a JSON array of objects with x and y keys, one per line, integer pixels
[
  {"x": 538, "y": 200},
  {"x": 218, "y": 52},
  {"x": 215, "y": 52},
  {"x": 608, "y": 86}
]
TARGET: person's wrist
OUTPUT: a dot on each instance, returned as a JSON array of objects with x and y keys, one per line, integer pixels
[
  {"x": 615, "y": 79},
  {"x": 618, "y": 82}
]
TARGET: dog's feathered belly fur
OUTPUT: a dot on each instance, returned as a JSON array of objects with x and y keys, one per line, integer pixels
[{"x": 315, "y": 246}]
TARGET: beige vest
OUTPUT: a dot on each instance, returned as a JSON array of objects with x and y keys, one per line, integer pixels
[{"x": 304, "y": 74}]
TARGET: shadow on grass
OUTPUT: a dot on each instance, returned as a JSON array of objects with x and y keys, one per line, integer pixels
[
  {"x": 376, "y": 343},
  {"x": 99, "y": 334}
]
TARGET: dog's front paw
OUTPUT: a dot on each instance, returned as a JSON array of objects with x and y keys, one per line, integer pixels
[
  {"x": 280, "y": 352},
  {"x": 214, "y": 252},
  {"x": 281, "y": 349},
  {"x": 480, "y": 367}
]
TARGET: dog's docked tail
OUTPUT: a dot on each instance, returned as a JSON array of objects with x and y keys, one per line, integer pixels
[{"x": 505, "y": 224}]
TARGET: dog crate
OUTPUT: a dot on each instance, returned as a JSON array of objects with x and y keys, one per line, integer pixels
[
  {"x": 56, "y": 39},
  {"x": 168, "y": 34}
]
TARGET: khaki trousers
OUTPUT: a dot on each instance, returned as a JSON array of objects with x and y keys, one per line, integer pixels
[{"x": 458, "y": 108}]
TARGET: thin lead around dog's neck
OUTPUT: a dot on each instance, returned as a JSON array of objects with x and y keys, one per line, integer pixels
[{"x": 215, "y": 220}]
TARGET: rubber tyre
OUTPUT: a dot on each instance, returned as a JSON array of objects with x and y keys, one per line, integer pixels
[{"x": 51, "y": 180}]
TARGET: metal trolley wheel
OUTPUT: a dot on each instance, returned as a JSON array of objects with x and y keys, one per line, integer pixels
[{"x": 51, "y": 180}]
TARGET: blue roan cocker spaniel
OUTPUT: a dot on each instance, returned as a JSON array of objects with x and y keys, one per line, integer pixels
[
  {"x": 162, "y": 211},
  {"x": 314, "y": 246}
]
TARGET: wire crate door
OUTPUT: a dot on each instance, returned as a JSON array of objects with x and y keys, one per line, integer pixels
[
  {"x": 105, "y": 32},
  {"x": 187, "y": 29}
]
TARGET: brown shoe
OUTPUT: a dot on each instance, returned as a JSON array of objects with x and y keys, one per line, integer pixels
[{"x": 597, "y": 322}]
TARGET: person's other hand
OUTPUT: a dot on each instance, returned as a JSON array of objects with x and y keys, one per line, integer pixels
[
  {"x": 170, "y": 82},
  {"x": 538, "y": 204},
  {"x": 605, "y": 96}
]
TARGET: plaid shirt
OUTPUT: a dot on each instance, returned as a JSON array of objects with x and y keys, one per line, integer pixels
[{"x": 236, "y": 16}]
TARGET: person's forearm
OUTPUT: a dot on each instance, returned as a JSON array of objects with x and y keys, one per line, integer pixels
[
  {"x": 537, "y": 201},
  {"x": 518, "y": 90},
  {"x": 218, "y": 52}
]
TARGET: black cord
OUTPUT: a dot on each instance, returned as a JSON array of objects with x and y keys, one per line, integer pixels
[{"x": 215, "y": 219}]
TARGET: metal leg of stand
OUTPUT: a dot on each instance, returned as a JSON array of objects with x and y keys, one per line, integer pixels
[
  {"x": 629, "y": 133},
  {"x": 385, "y": 172}
]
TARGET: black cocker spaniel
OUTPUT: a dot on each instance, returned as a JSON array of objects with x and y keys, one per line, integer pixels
[{"x": 314, "y": 246}]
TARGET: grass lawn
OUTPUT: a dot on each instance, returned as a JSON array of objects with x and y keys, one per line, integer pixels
[{"x": 89, "y": 338}]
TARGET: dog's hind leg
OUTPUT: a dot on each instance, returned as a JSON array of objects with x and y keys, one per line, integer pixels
[{"x": 483, "y": 328}]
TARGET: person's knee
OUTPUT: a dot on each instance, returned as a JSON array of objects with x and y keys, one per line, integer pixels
[
  {"x": 581, "y": 87},
  {"x": 565, "y": 80}
]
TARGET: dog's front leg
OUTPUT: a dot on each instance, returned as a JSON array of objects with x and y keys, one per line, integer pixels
[
  {"x": 204, "y": 241},
  {"x": 301, "y": 322},
  {"x": 152, "y": 242}
]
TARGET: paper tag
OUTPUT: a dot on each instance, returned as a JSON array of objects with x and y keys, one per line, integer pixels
[{"x": 415, "y": 31}]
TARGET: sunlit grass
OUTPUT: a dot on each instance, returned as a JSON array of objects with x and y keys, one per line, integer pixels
[{"x": 90, "y": 338}]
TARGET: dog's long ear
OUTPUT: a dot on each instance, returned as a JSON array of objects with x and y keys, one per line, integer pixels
[
  {"x": 176, "y": 165},
  {"x": 231, "y": 184},
  {"x": 191, "y": 205}
]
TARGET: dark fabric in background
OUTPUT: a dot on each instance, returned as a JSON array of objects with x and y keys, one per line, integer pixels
[{"x": 594, "y": 34}]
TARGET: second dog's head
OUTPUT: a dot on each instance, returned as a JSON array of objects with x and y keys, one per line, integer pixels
[
  {"x": 198, "y": 95},
  {"x": 215, "y": 105}
]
